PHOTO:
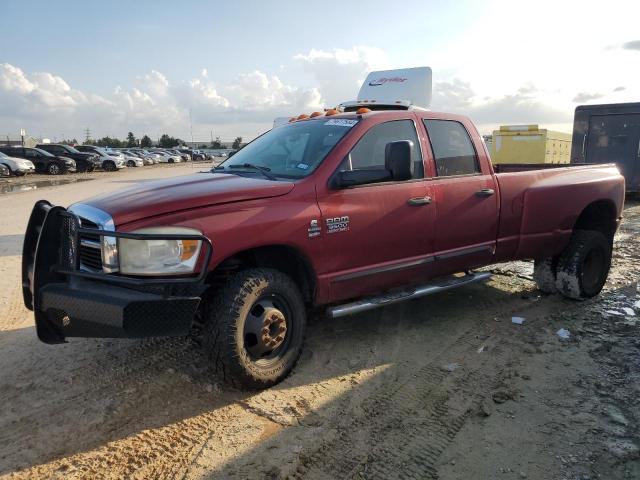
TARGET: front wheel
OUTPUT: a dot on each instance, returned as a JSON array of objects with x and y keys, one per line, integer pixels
[
  {"x": 255, "y": 327},
  {"x": 54, "y": 169},
  {"x": 584, "y": 265},
  {"x": 131, "y": 163},
  {"x": 110, "y": 166}
]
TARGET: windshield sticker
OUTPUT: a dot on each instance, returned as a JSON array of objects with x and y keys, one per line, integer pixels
[
  {"x": 303, "y": 166},
  {"x": 341, "y": 122}
]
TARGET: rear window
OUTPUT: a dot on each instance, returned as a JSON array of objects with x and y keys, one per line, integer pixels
[{"x": 452, "y": 148}]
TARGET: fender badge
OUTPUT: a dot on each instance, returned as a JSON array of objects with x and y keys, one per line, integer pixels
[
  {"x": 337, "y": 224},
  {"x": 314, "y": 229}
]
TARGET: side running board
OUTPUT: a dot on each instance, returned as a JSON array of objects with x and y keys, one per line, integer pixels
[{"x": 407, "y": 294}]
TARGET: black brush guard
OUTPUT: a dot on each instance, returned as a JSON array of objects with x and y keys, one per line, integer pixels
[{"x": 70, "y": 302}]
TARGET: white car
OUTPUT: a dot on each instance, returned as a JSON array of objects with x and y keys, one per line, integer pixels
[
  {"x": 111, "y": 160},
  {"x": 132, "y": 160},
  {"x": 166, "y": 157},
  {"x": 17, "y": 166}
]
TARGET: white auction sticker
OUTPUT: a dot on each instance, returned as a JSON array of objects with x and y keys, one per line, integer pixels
[
  {"x": 303, "y": 166},
  {"x": 341, "y": 122}
]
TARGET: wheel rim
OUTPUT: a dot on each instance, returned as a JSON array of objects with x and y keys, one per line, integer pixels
[
  {"x": 593, "y": 269},
  {"x": 267, "y": 328},
  {"x": 54, "y": 169}
]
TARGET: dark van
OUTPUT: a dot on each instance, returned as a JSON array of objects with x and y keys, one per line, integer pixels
[{"x": 609, "y": 133}]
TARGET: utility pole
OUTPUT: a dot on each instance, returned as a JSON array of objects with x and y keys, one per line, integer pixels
[
  {"x": 211, "y": 137},
  {"x": 87, "y": 135},
  {"x": 191, "y": 128}
]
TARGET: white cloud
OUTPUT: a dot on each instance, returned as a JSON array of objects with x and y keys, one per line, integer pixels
[
  {"x": 340, "y": 72},
  {"x": 45, "y": 103},
  {"x": 521, "y": 107}
]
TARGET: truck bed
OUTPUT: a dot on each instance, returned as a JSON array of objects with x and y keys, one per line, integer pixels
[
  {"x": 539, "y": 204},
  {"x": 524, "y": 167}
]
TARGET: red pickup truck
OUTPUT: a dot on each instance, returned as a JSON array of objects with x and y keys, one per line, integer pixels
[{"x": 349, "y": 210}]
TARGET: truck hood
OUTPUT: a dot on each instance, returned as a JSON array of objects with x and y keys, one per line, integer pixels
[{"x": 160, "y": 197}]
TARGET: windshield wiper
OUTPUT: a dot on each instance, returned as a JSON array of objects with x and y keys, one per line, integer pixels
[{"x": 263, "y": 170}]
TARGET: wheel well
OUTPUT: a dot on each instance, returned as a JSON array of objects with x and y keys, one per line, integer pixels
[
  {"x": 599, "y": 216},
  {"x": 286, "y": 259}
]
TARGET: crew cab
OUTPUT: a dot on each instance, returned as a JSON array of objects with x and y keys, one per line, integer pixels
[
  {"x": 41, "y": 160},
  {"x": 83, "y": 162},
  {"x": 348, "y": 209}
]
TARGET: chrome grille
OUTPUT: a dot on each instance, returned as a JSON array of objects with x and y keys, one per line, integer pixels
[{"x": 90, "y": 253}]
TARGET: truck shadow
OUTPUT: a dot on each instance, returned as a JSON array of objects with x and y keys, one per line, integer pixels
[{"x": 63, "y": 403}]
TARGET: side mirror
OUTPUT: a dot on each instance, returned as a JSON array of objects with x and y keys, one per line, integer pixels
[{"x": 398, "y": 159}]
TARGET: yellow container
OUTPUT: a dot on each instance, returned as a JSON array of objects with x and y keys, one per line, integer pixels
[{"x": 529, "y": 144}]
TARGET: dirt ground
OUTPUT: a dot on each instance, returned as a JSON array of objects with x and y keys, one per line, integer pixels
[{"x": 443, "y": 387}]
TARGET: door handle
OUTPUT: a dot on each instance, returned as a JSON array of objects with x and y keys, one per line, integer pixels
[
  {"x": 485, "y": 192},
  {"x": 419, "y": 201}
]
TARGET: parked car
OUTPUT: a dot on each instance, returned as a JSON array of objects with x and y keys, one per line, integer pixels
[
  {"x": 108, "y": 161},
  {"x": 149, "y": 154},
  {"x": 17, "y": 166},
  {"x": 44, "y": 161},
  {"x": 198, "y": 155},
  {"x": 84, "y": 162},
  {"x": 609, "y": 133},
  {"x": 167, "y": 157},
  {"x": 347, "y": 211},
  {"x": 146, "y": 159},
  {"x": 184, "y": 155},
  {"x": 131, "y": 160},
  {"x": 4, "y": 170}
]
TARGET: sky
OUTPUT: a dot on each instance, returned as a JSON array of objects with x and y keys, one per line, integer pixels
[{"x": 225, "y": 69}]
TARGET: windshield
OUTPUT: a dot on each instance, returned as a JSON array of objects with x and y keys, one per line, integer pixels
[
  {"x": 294, "y": 150},
  {"x": 71, "y": 149}
]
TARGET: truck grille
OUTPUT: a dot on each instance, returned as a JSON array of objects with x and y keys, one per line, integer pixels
[{"x": 90, "y": 252}]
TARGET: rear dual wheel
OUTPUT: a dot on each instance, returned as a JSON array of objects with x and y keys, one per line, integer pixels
[
  {"x": 255, "y": 327},
  {"x": 580, "y": 271}
]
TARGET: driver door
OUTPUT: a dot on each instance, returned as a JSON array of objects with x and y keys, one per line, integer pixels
[{"x": 377, "y": 236}]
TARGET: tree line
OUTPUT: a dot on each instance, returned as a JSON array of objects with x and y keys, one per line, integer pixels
[{"x": 165, "y": 141}]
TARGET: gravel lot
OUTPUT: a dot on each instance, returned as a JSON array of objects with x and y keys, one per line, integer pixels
[{"x": 444, "y": 387}]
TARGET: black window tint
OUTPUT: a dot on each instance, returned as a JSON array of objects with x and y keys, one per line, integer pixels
[
  {"x": 369, "y": 151},
  {"x": 30, "y": 153},
  {"x": 452, "y": 148}
]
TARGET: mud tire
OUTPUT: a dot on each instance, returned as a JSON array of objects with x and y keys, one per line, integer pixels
[
  {"x": 545, "y": 273},
  {"x": 584, "y": 265},
  {"x": 225, "y": 314}
]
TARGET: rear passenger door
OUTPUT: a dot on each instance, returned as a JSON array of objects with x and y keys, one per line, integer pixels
[{"x": 465, "y": 196}]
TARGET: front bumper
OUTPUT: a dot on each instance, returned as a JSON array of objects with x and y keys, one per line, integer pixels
[{"x": 69, "y": 302}]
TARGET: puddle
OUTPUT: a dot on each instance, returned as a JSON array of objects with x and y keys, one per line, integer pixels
[{"x": 9, "y": 187}]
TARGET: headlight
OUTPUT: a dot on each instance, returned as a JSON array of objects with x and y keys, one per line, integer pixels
[{"x": 159, "y": 257}]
